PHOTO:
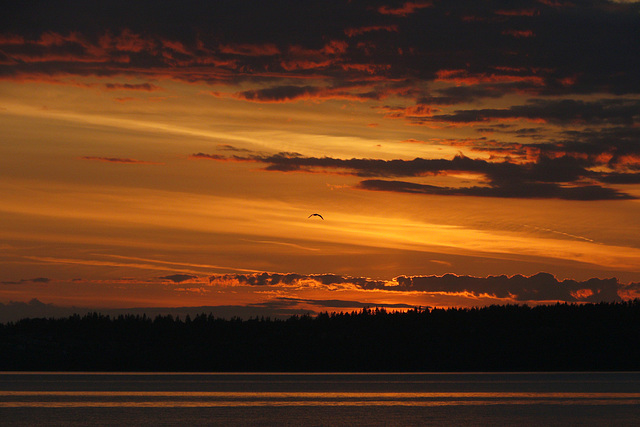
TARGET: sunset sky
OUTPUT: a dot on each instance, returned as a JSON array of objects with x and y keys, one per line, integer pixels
[{"x": 169, "y": 154}]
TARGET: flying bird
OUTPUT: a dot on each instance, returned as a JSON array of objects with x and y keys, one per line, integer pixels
[{"x": 316, "y": 215}]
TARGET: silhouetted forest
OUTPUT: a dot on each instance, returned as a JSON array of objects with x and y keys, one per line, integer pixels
[{"x": 563, "y": 337}]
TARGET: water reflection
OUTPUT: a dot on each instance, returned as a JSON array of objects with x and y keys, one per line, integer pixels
[
  {"x": 186, "y": 399},
  {"x": 266, "y": 399}
]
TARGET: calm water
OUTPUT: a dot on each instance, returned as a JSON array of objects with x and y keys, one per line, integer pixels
[{"x": 320, "y": 399}]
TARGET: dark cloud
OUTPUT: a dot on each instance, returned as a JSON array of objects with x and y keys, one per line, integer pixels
[
  {"x": 279, "y": 93},
  {"x": 332, "y": 303},
  {"x": 566, "y": 177},
  {"x": 527, "y": 190},
  {"x": 566, "y": 111},
  {"x": 405, "y": 9},
  {"x": 613, "y": 147},
  {"x": 287, "y": 162},
  {"x": 179, "y": 278},
  {"x": 426, "y": 56},
  {"x": 539, "y": 287},
  {"x": 469, "y": 93},
  {"x": 147, "y": 87},
  {"x": 277, "y": 279},
  {"x": 588, "y": 49},
  {"x": 351, "y": 32},
  {"x": 616, "y": 147},
  {"x": 208, "y": 156},
  {"x": 289, "y": 93},
  {"x": 260, "y": 279},
  {"x": 621, "y": 178}
]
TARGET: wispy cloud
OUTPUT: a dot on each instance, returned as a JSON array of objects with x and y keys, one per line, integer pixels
[
  {"x": 292, "y": 245},
  {"x": 103, "y": 263},
  {"x": 176, "y": 263},
  {"x": 22, "y": 281},
  {"x": 122, "y": 160}
]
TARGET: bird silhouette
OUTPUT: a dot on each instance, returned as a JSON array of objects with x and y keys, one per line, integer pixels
[{"x": 316, "y": 215}]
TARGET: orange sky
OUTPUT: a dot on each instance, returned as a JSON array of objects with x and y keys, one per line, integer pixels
[{"x": 150, "y": 165}]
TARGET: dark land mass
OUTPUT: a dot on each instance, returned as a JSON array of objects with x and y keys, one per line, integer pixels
[{"x": 563, "y": 337}]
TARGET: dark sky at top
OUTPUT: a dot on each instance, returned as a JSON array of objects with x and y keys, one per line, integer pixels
[{"x": 574, "y": 64}]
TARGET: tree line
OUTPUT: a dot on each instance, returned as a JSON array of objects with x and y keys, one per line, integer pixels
[{"x": 561, "y": 337}]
